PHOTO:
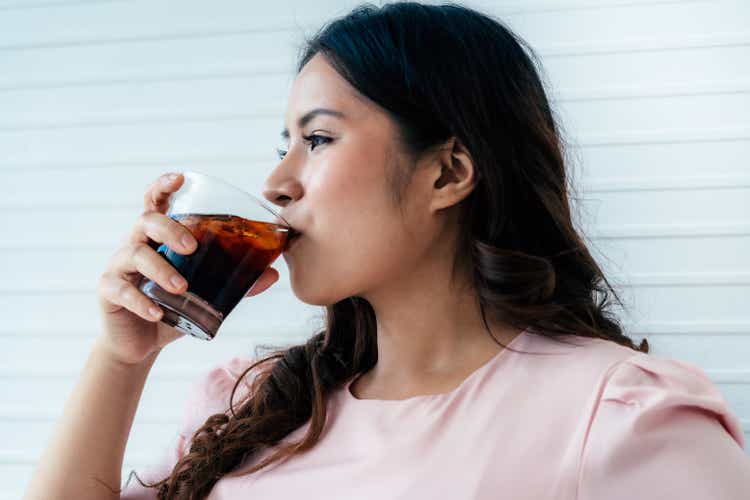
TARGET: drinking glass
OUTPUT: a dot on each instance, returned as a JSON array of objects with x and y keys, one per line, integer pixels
[{"x": 238, "y": 236}]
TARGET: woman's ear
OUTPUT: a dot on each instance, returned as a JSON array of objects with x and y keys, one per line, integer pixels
[{"x": 453, "y": 174}]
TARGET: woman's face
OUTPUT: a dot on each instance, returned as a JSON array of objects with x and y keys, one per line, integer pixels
[{"x": 332, "y": 185}]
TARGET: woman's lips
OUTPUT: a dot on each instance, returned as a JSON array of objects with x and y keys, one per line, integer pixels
[{"x": 293, "y": 242}]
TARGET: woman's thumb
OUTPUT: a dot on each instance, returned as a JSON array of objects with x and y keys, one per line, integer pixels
[{"x": 268, "y": 278}]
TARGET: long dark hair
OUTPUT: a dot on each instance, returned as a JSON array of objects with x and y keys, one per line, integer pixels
[{"x": 439, "y": 72}]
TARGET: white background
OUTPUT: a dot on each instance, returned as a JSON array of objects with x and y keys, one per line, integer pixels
[{"x": 97, "y": 98}]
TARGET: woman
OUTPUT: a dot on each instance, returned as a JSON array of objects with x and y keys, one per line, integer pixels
[{"x": 469, "y": 351}]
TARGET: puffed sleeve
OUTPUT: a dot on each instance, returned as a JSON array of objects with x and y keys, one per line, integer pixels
[
  {"x": 208, "y": 395},
  {"x": 663, "y": 430}
]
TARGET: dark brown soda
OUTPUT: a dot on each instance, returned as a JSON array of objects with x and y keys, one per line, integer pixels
[{"x": 232, "y": 253}]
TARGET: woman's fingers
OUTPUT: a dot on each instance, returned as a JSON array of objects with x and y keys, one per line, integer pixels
[
  {"x": 268, "y": 278},
  {"x": 160, "y": 228},
  {"x": 138, "y": 256},
  {"x": 153, "y": 228},
  {"x": 157, "y": 195},
  {"x": 119, "y": 292}
]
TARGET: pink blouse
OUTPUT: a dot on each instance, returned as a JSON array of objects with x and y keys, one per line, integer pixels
[{"x": 587, "y": 420}]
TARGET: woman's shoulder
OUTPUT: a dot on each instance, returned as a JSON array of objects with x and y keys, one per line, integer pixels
[
  {"x": 661, "y": 425},
  {"x": 211, "y": 391},
  {"x": 642, "y": 422},
  {"x": 642, "y": 380},
  {"x": 657, "y": 385},
  {"x": 573, "y": 355},
  {"x": 601, "y": 373}
]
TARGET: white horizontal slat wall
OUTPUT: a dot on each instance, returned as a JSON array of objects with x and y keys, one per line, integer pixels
[{"x": 97, "y": 98}]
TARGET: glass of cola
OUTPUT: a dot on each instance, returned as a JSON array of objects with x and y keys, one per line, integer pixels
[{"x": 238, "y": 236}]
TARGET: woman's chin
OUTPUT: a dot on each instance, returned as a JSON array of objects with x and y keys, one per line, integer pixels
[
  {"x": 312, "y": 295},
  {"x": 306, "y": 294}
]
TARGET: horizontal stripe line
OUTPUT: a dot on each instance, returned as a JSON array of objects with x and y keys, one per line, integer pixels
[
  {"x": 720, "y": 377},
  {"x": 185, "y": 162},
  {"x": 33, "y": 414},
  {"x": 583, "y": 186},
  {"x": 170, "y": 74},
  {"x": 168, "y": 160},
  {"x": 648, "y": 44},
  {"x": 310, "y": 23},
  {"x": 108, "y": 118},
  {"x": 140, "y": 461},
  {"x": 640, "y": 328},
  {"x": 63, "y": 286},
  {"x": 266, "y": 68},
  {"x": 694, "y": 183},
  {"x": 550, "y": 6},
  {"x": 73, "y": 373},
  {"x": 195, "y": 34},
  {"x": 677, "y": 279},
  {"x": 658, "y": 231},
  {"x": 198, "y": 160},
  {"x": 604, "y": 185},
  {"x": 676, "y": 89},
  {"x": 588, "y": 186},
  {"x": 245, "y": 337},
  {"x": 738, "y": 377},
  {"x": 58, "y": 287},
  {"x": 728, "y": 278},
  {"x": 541, "y": 6},
  {"x": 664, "y": 136},
  {"x": 140, "y": 120},
  {"x": 28, "y": 458},
  {"x": 688, "y": 328},
  {"x": 604, "y": 232},
  {"x": 51, "y": 372},
  {"x": 68, "y": 374},
  {"x": 37, "y": 5},
  {"x": 657, "y": 136},
  {"x": 292, "y": 334},
  {"x": 50, "y": 415},
  {"x": 274, "y": 68}
]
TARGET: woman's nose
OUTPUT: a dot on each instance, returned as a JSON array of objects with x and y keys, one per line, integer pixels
[{"x": 282, "y": 194}]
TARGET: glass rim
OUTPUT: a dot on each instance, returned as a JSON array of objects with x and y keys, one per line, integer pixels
[{"x": 235, "y": 188}]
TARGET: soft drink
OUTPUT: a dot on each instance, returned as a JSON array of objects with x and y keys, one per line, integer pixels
[{"x": 231, "y": 255}]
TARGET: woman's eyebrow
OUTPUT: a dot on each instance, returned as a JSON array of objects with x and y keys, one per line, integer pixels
[{"x": 305, "y": 119}]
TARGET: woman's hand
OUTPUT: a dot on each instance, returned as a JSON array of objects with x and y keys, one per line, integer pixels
[{"x": 131, "y": 331}]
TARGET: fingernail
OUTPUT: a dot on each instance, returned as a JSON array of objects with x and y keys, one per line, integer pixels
[
  {"x": 177, "y": 281},
  {"x": 169, "y": 178}
]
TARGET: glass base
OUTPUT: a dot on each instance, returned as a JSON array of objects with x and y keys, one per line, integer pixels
[{"x": 187, "y": 313}]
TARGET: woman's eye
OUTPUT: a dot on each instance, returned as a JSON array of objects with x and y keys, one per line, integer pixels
[{"x": 313, "y": 138}]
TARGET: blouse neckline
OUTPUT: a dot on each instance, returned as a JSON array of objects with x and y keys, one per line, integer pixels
[{"x": 430, "y": 397}]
